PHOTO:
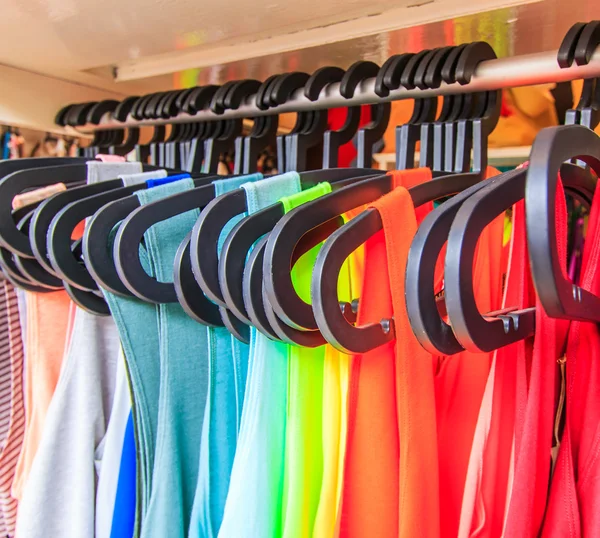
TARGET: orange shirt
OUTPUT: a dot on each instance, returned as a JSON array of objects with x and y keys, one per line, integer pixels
[
  {"x": 46, "y": 335},
  {"x": 379, "y": 485},
  {"x": 412, "y": 416}
]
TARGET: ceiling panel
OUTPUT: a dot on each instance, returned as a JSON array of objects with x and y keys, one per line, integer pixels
[
  {"x": 62, "y": 36},
  {"x": 79, "y": 34}
]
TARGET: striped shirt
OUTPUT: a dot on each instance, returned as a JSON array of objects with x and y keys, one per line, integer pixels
[{"x": 12, "y": 411}]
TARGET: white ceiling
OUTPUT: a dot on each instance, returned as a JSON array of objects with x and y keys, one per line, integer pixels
[{"x": 83, "y": 34}]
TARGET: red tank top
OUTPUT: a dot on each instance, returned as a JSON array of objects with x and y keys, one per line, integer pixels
[
  {"x": 535, "y": 417},
  {"x": 490, "y": 472},
  {"x": 574, "y": 504}
]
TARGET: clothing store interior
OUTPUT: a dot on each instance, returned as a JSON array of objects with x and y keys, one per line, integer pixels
[{"x": 316, "y": 270}]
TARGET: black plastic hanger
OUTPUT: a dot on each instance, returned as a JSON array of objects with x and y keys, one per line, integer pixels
[
  {"x": 332, "y": 140},
  {"x": 88, "y": 301},
  {"x": 263, "y": 94},
  {"x": 282, "y": 330},
  {"x": 62, "y": 114},
  {"x": 168, "y": 156},
  {"x": 558, "y": 295},
  {"x": 151, "y": 110},
  {"x": 264, "y": 129},
  {"x": 149, "y": 152},
  {"x": 199, "y": 99},
  {"x": 26, "y": 179},
  {"x": 161, "y": 111},
  {"x": 216, "y": 146},
  {"x": 252, "y": 285},
  {"x": 48, "y": 209},
  {"x": 454, "y": 107},
  {"x": 309, "y": 138},
  {"x": 477, "y": 105},
  {"x": 296, "y": 145},
  {"x": 238, "y": 244},
  {"x": 62, "y": 224},
  {"x": 129, "y": 143},
  {"x": 167, "y": 149},
  {"x": 91, "y": 301},
  {"x": 97, "y": 111},
  {"x": 304, "y": 121},
  {"x": 124, "y": 108},
  {"x": 259, "y": 139},
  {"x": 131, "y": 233},
  {"x": 328, "y": 312},
  {"x": 196, "y": 133},
  {"x": 229, "y": 96},
  {"x": 9, "y": 166},
  {"x": 128, "y": 264},
  {"x": 30, "y": 268},
  {"x": 177, "y": 151},
  {"x": 296, "y": 150},
  {"x": 100, "y": 227},
  {"x": 15, "y": 268},
  {"x": 472, "y": 330},
  {"x": 130, "y": 270},
  {"x": 197, "y": 145},
  {"x": 221, "y": 210},
  {"x": 400, "y": 70},
  {"x": 438, "y": 137},
  {"x": 167, "y": 106},
  {"x": 11, "y": 269},
  {"x": 114, "y": 137},
  {"x": 412, "y": 75},
  {"x": 94, "y": 116},
  {"x": 12, "y": 273},
  {"x": 121, "y": 113},
  {"x": 77, "y": 115},
  {"x": 429, "y": 72},
  {"x": 99, "y": 143},
  {"x": 292, "y": 227},
  {"x": 275, "y": 91},
  {"x": 137, "y": 111},
  {"x": 196, "y": 305},
  {"x": 254, "y": 296},
  {"x": 93, "y": 148},
  {"x": 380, "y": 113}
]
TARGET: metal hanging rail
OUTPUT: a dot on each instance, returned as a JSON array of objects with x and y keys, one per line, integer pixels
[{"x": 525, "y": 70}]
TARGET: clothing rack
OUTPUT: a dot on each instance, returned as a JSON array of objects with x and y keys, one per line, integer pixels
[{"x": 511, "y": 72}]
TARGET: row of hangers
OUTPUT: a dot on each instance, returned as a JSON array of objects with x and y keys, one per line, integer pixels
[{"x": 246, "y": 286}]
